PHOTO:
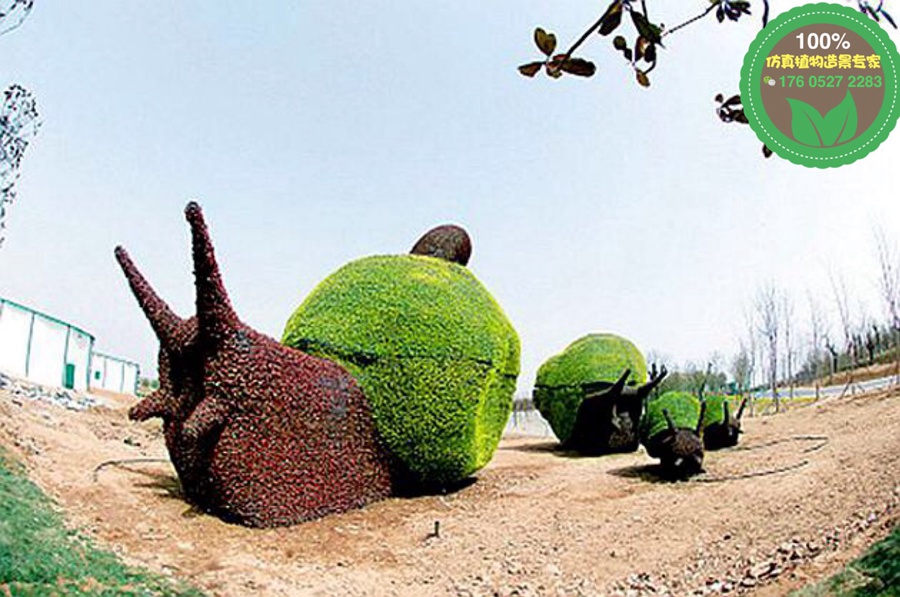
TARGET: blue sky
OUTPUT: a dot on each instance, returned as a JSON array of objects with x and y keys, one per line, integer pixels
[{"x": 314, "y": 133}]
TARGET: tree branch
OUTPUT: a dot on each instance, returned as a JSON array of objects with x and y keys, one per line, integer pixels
[{"x": 709, "y": 9}]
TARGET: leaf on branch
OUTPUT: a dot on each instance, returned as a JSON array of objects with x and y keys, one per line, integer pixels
[
  {"x": 530, "y": 69},
  {"x": 552, "y": 68},
  {"x": 642, "y": 78},
  {"x": 611, "y": 19},
  {"x": 734, "y": 100},
  {"x": 740, "y": 6},
  {"x": 889, "y": 18},
  {"x": 644, "y": 48},
  {"x": 546, "y": 42},
  {"x": 730, "y": 110},
  {"x": 720, "y": 14},
  {"x": 646, "y": 28},
  {"x": 579, "y": 67},
  {"x": 766, "y": 151},
  {"x": 619, "y": 43}
]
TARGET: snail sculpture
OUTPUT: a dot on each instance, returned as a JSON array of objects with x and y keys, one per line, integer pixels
[
  {"x": 593, "y": 394},
  {"x": 672, "y": 430},
  {"x": 265, "y": 434},
  {"x": 721, "y": 429}
]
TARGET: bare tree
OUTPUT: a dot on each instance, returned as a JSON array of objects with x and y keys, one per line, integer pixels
[
  {"x": 842, "y": 302},
  {"x": 817, "y": 336},
  {"x": 18, "y": 116},
  {"x": 742, "y": 369},
  {"x": 833, "y": 358},
  {"x": 889, "y": 287},
  {"x": 769, "y": 328},
  {"x": 753, "y": 356},
  {"x": 18, "y": 122},
  {"x": 787, "y": 316}
]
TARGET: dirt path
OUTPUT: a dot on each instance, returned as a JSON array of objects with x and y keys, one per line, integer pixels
[{"x": 535, "y": 523}]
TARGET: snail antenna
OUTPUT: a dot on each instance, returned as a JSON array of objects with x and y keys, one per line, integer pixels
[
  {"x": 161, "y": 317},
  {"x": 740, "y": 412},
  {"x": 699, "y": 430},
  {"x": 214, "y": 311},
  {"x": 669, "y": 420}
]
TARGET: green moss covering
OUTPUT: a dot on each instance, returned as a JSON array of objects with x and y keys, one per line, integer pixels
[
  {"x": 596, "y": 357},
  {"x": 715, "y": 411},
  {"x": 683, "y": 407},
  {"x": 433, "y": 351}
]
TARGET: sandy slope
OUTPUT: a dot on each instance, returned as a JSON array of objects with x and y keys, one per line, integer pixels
[{"x": 535, "y": 522}]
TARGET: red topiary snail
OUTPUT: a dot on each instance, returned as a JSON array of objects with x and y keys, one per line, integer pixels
[{"x": 259, "y": 433}]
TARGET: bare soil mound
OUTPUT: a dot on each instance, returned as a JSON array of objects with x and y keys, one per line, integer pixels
[{"x": 814, "y": 488}]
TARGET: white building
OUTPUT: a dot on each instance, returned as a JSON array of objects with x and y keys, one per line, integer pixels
[
  {"x": 42, "y": 348},
  {"x": 114, "y": 374},
  {"x": 51, "y": 352}
]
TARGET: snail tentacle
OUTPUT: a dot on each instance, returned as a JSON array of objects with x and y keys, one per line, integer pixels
[
  {"x": 163, "y": 320},
  {"x": 215, "y": 314}
]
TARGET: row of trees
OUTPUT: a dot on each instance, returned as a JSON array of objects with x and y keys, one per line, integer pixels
[
  {"x": 780, "y": 350},
  {"x": 18, "y": 116}
]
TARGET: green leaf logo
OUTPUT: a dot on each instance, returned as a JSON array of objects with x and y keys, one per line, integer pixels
[{"x": 810, "y": 128}]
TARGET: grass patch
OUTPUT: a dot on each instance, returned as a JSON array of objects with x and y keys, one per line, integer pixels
[
  {"x": 39, "y": 556},
  {"x": 876, "y": 574}
]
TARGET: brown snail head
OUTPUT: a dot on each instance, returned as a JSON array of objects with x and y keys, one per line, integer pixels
[{"x": 259, "y": 433}]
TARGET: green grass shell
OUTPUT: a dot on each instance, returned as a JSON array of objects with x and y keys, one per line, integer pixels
[
  {"x": 683, "y": 407},
  {"x": 715, "y": 411},
  {"x": 595, "y": 357},
  {"x": 432, "y": 349}
]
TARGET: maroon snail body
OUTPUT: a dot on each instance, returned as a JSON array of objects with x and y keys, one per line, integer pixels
[{"x": 259, "y": 433}]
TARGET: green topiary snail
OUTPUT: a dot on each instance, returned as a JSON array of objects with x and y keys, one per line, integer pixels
[
  {"x": 434, "y": 353},
  {"x": 593, "y": 393},
  {"x": 671, "y": 431},
  {"x": 721, "y": 429}
]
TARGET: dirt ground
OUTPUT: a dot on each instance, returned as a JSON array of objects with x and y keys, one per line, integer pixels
[{"x": 535, "y": 522}]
